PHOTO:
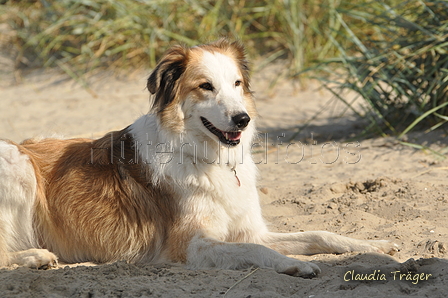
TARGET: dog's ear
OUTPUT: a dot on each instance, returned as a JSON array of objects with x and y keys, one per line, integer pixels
[{"x": 162, "y": 81}]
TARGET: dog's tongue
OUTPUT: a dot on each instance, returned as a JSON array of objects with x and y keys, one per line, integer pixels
[{"x": 233, "y": 136}]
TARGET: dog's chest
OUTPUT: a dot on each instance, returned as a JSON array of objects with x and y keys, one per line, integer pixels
[{"x": 219, "y": 197}]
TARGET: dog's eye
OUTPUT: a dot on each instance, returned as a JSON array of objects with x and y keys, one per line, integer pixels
[
  {"x": 206, "y": 86},
  {"x": 237, "y": 83}
]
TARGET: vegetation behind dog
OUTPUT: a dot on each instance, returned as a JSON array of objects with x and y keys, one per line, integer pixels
[{"x": 392, "y": 53}]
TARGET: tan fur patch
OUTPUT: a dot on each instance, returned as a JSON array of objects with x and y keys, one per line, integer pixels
[{"x": 96, "y": 203}]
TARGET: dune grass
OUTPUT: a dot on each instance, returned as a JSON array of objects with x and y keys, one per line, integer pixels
[
  {"x": 84, "y": 35},
  {"x": 392, "y": 53},
  {"x": 399, "y": 67}
]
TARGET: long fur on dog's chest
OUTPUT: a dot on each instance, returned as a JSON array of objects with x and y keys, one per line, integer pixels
[{"x": 215, "y": 185}]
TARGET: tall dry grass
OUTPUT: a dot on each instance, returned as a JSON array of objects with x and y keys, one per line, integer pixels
[
  {"x": 399, "y": 67},
  {"x": 392, "y": 53},
  {"x": 83, "y": 35}
]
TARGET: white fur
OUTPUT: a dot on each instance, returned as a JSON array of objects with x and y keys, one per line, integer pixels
[
  {"x": 226, "y": 99},
  {"x": 17, "y": 195},
  {"x": 17, "y": 192}
]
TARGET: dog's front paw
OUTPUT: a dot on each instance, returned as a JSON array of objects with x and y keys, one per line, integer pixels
[
  {"x": 35, "y": 258},
  {"x": 384, "y": 246},
  {"x": 295, "y": 267}
]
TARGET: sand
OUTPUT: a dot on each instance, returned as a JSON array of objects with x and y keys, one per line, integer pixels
[{"x": 320, "y": 180}]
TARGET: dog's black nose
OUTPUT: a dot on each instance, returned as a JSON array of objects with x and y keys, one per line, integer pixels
[{"x": 241, "y": 120}]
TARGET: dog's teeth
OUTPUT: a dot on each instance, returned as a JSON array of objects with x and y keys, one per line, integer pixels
[{"x": 227, "y": 136}]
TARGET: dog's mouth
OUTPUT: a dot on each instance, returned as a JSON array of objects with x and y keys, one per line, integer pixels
[{"x": 231, "y": 138}]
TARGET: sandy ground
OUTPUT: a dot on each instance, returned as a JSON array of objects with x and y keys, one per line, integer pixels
[{"x": 319, "y": 180}]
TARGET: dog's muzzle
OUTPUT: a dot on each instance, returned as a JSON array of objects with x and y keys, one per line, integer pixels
[{"x": 231, "y": 138}]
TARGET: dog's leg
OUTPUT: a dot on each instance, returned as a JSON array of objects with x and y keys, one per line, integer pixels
[
  {"x": 306, "y": 243},
  {"x": 34, "y": 258},
  {"x": 205, "y": 253},
  {"x": 17, "y": 199}
]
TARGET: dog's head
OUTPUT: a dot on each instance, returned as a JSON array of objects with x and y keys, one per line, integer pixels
[{"x": 204, "y": 91}]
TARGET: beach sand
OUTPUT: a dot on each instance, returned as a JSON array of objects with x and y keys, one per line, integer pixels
[{"x": 321, "y": 179}]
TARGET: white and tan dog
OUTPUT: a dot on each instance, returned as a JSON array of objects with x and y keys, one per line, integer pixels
[{"x": 178, "y": 185}]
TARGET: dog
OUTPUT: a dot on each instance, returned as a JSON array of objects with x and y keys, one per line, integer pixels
[{"x": 177, "y": 185}]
